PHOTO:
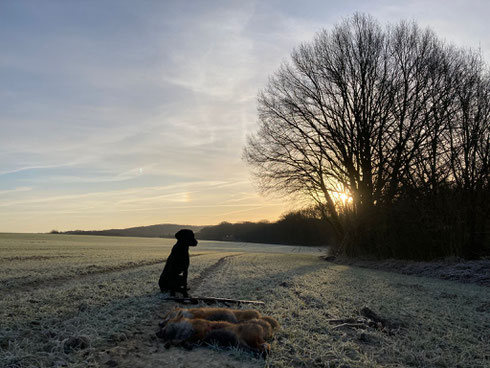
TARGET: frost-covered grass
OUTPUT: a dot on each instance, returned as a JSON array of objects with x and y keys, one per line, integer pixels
[
  {"x": 113, "y": 311},
  {"x": 445, "y": 324},
  {"x": 103, "y": 310},
  {"x": 32, "y": 258},
  {"x": 27, "y": 259}
]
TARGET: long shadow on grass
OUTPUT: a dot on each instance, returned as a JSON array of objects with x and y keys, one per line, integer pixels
[
  {"x": 131, "y": 317},
  {"x": 263, "y": 285},
  {"x": 287, "y": 276}
]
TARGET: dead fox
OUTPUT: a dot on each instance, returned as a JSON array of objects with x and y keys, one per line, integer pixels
[
  {"x": 213, "y": 314},
  {"x": 249, "y": 335},
  {"x": 272, "y": 322},
  {"x": 268, "y": 324}
]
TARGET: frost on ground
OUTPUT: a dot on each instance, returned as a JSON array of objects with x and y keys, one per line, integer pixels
[
  {"x": 108, "y": 316},
  {"x": 471, "y": 272}
]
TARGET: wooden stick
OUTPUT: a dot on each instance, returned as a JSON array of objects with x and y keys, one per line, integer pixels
[{"x": 211, "y": 300}]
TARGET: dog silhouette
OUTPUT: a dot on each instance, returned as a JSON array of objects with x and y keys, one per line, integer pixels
[{"x": 174, "y": 274}]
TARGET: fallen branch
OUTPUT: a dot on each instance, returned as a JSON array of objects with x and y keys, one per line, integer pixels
[
  {"x": 211, "y": 300},
  {"x": 383, "y": 322},
  {"x": 371, "y": 319},
  {"x": 369, "y": 314}
]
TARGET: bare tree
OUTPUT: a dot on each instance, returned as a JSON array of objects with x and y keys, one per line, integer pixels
[
  {"x": 470, "y": 148},
  {"x": 373, "y": 111},
  {"x": 470, "y": 128}
]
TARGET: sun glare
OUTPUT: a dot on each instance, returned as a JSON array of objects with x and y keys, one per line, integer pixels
[{"x": 342, "y": 198}]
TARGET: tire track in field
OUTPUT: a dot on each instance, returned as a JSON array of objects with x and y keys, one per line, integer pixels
[
  {"x": 215, "y": 268},
  {"x": 143, "y": 349},
  {"x": 59, "y": 281},
  {"x": 31, "y": 258}
]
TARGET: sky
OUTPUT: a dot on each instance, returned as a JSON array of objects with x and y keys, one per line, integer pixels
[{"x": 119, "y": 113}]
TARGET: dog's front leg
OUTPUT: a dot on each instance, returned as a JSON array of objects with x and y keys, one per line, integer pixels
[{"x": 184, "y": 286}]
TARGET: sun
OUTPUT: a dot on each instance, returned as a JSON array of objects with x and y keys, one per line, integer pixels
[
  {"x": 345, "y": 197},
  {"x": 342, "y": 198}
]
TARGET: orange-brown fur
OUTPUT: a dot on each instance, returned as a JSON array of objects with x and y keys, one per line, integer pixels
[
  {"x": 266, "y": 327},
  {"x": 245, "y": 315},
  {"x": 214, "y": 314},
  {"x": 225, "y": 327},
  {"x": 272, "y": 321},
  {"x": 248, "y": 335}
]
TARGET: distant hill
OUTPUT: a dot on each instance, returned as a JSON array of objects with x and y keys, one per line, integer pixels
[
  {"x": 152, "y": 231},
  {"x": 301, "y": 227}
]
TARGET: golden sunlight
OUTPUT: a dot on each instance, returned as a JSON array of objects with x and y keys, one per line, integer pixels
[{"x": 341, "y": 198}]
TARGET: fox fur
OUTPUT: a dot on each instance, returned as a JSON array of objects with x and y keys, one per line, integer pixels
[
  {"x": 214, "y": 314},
  {"x": 225, "y": 327},
  {"x": 249, "y": 335},
  {"x": 269, "y": 325}
]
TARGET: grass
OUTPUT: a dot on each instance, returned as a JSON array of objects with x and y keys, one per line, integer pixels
[{"x": 112, "y": 310}]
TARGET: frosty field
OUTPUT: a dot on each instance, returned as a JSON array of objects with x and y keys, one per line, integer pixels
[{"x": 86, "y": 301}]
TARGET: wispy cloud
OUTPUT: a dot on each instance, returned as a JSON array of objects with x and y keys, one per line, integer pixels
[
  {"x": 124, "y": 114},
  {"x": 35, "y": 167},
  {"x": 15, "y": 190}
]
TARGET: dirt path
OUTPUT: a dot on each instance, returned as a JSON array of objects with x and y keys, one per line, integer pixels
[{"x": 144, "y": 349}]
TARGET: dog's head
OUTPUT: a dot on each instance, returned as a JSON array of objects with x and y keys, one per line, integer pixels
[{"x": 186, "y": 237}]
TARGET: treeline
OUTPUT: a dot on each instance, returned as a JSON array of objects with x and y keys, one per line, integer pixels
[
  {"x": 302, "y": 227},
  {"x": 295, "y": 228},
  {"x": 446, "y": 223}
]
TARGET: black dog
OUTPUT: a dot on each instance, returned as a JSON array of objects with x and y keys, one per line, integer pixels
[{"x": 177, "y": 263}]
